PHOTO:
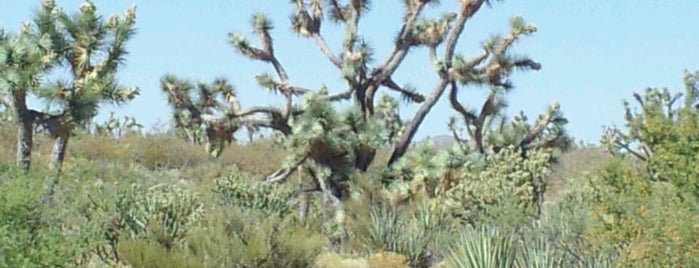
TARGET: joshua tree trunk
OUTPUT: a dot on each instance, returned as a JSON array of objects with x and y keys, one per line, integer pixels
[
  {"x": 407, "y": 137},
  {"x": 59, "y": 152},
  {"x": 25, "y": 141},
  {"x": 59, "y": 129},
  {"x": 24, "y": 120}
]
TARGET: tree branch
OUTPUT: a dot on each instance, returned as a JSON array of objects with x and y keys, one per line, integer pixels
[
  {"x": 282, "y": 174},
  {"x": 320, "y": 41},
  {"x": 626, "y": 147},
  {"x": 536, "y": 131},
  {"x": 467, "y": 11},
  {"x": 345, "y": 95},
  {"x": 401, "y": 48}
]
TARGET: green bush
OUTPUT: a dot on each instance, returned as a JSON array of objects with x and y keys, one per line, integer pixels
[
  {"x": 31, "y": 234},
  {"x": 478, "y": 189},
  {"x": 239, "y": 190}
]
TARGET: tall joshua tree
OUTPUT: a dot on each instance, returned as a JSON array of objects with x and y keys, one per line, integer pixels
[
  {"x": 364, "y": 79},
  {"x": 24, "y": 58},
  {"x": 347, "y": 138},
  {"x": 91, "y": 49}
]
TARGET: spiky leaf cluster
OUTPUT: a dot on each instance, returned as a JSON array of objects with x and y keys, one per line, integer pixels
[
  {"x": 163, "y": 213},
  {"x": 93, "y": 49},
  {"x": 468, "y": 186},
  {"x": 203, "y": 112},
  {"x": 23, "y": 59},
  {"x": 491, "y": 130},
  {"x": 117, "y": 127},
  {"x": 238, "y": 190},
  {"x": 330, "y": 138},
  {"x": 487, "y": 129},
  {"x": 494, "y": 65},
  {"x": 413, "y": 234}
]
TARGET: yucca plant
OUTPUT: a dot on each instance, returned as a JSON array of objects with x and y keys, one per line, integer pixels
[{"x": 485, "y": 247}]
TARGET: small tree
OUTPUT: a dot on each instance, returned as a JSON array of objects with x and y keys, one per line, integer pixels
[
  {"x": 667, "y": 124},
  {"x": 203, "y": 113},
  {"x": 646, "y": 206},
  {"x": 24, "y": 59},
  {"x": 91, "y": 49}
]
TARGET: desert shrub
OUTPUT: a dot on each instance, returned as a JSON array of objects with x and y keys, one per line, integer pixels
[
  {"x": 239, "y": 190},
  {"x": 32, "y": 234},
  {"x": 479, "y": 189},
  {"x": 148, "y": 253},
  {"x": 163, "y": 214},
  {"x": 648, "y": 223},
  {"x": 414, "y": 232},
  {"x": 380, "y": 259},
  {"x": 244, "y": 238},
  {"x": 645, "y": 207}
]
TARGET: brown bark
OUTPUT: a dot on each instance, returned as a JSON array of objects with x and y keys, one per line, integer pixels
[{"x": 24, "y": 119}]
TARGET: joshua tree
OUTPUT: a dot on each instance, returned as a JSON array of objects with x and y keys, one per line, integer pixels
[
  {"x": 24, "y": 59},
  {"x": 196, "y": 107},
  {"x": 488, "y": 126},
  {"x": 91, "y": 49},
  {"x": 348, "y": 142}
]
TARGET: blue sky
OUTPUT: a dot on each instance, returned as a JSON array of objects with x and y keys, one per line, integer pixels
[{"x": 594, "y": 53}]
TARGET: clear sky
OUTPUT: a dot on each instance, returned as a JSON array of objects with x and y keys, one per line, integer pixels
[{"x": 594, "y": 53}]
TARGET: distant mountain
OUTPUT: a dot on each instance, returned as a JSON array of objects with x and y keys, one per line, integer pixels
[{"x": 442, "y": 141}]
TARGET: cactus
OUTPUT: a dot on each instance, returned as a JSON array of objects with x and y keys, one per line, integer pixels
[
  {"x": 469, "y": 187},
  {"x": 164, "y": 214},
  {"x": 237, "y": 190},
  {"x": 117, "y": 127}
]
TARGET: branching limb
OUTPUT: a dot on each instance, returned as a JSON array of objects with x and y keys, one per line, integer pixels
[
  {"x": 467, "y": 11},
  {"x": 412, "y": 95},
  {"x": 345, "y": 95},
  {"x": 320, "y": 41},
  {"x": 402, "y": 46},
  {"x": 628, "y": 148},
  {"x": 283, "y": 173}
]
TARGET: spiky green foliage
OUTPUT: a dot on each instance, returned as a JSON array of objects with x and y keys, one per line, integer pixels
[
  {"x": 163, "y": 214},
  {"x": 203, "y": 113},
  {"x": 488, "y": 128},
  {"x": 237, "y": 190},
  {"x": 487, "y": 247},
  {"x": 24, "y": 59},
  {"x": 117, "y": 127},
  {"x": 642, "y": 206},
  {"x": 478, "y": 191},
  {"x": 415, "y": 234},
  {"x": 91, "y": 49},
  {"x": 79, "y": 39},
  {"x": 327, "y": 142}
]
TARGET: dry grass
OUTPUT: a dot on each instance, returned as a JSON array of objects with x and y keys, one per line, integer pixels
[{"x": 189, "y": 162}]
